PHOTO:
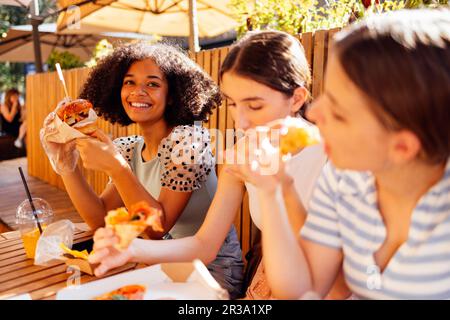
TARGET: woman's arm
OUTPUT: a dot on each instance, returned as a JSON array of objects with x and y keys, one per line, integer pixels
[
  {"x": 294, "y": 208},
  {"x": 91, "y": 207},
  {"x": 9, "y": 114},
  {"x": 292, "y": 270},
  {"x": 171, "y": 203},
  {"x": 126, "y": 189},
  {"x": 204, "y": 245}
]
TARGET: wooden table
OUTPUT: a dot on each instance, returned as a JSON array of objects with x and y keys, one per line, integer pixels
[{"x": 19, "y": 275}]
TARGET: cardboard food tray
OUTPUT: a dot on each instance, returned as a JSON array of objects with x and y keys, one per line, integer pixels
[
  {"x": 190, "y": 280},
  {"x": 81, "y": 264}
]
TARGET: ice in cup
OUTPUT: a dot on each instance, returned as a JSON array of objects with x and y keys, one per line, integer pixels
[{"x": 27, "y": 222}]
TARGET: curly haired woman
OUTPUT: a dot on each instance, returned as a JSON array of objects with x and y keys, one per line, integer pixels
[{"x": 171, "y": 165}]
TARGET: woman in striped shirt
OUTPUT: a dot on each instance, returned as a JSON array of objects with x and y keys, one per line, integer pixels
[{"x": 382, "y": 205}]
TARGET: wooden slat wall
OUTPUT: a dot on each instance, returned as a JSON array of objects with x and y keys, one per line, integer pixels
[{"x": 43, "y": 91}]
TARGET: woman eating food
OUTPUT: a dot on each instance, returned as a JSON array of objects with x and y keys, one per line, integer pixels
[
  {"x": 165, "y": 93},
  {"x": 381, "y": 206},
  {"x": 259, "y": 91}
]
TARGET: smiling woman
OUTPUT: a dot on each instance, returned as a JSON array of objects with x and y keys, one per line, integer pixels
[
  {"x": 171, "y": 165},
  {"x": 191, "y": 93}
]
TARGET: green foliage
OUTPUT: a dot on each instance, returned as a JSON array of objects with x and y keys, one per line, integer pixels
[
  {"x": 12, "y": 76},
  {"x": 297, "y": 16},
  {"x": 101, "y": 50},
  {"x": 66, "y": 59},
  {"x": 104, "y": 48}
]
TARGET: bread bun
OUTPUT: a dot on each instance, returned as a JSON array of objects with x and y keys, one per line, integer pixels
[
  {"x": 74, "y": 107},
  {"x": 76, "y": 111}
]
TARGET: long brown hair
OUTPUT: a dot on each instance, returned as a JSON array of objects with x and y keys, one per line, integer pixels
[
  {"x": 401, "y": 61},
  {"x": 272, "y": 58},
  {"x": 9, "y": 93}
]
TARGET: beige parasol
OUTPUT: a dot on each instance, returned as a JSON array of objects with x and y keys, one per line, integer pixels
[
  {"x": 17, "y": 3},
  {"x": 17, "y": 46},
  {"x": 161, "y": 17}
]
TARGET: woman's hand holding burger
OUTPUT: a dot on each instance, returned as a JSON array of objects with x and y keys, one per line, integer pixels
[
  {"x": 100, "y": 154},
  {"x": 64, "y": 145}
]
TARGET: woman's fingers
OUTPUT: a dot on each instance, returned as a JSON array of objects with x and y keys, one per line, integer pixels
[
  {"x": 98, "y": 255},
  {"x": 101, "y": 269},
  {"x": 103, "y": 137},
  {"x": 104, "y": 238},
  {"x": 110, "y": 262},
  {"x": 106, "y": 242},
  {"x": 102, "y": 233},
  {"x": 108, "y": 259}
]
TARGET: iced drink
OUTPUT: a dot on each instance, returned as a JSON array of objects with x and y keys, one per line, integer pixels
[{"x": 27, "y": 223}]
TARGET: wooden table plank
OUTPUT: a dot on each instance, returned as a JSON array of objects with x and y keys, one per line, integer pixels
[
  {"x": 13, "y": 247},
  {"x": 35, "y": 285},
  {"x": 12, "y": 258},
  {"x": 8, "y": 243},
  {"x": 33, "y": 278},
  {"x": 16, "y": 266},
  {"x": 19, "y": 275},
  {"x": 11, "y": 261},
  {"x": 16, "y": 240},
  {"x": 14, "y": 253},
  {"x": 49, "y": 293},
  {"x": 11, "y": 235},
  {"x": 22, "y": 269}
]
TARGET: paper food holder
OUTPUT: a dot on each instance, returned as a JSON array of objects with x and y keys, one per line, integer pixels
[
  {"x": 48, "y": 247},
  {"x": 81, "y": 264}
]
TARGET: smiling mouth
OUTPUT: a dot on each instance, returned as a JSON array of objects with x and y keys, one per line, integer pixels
[{"x": 140, "y": 105}]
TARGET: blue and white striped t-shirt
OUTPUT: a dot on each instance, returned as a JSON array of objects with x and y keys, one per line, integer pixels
[{"x": 343, "y": 214}]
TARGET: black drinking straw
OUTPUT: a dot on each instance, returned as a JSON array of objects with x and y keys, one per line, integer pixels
[{"x": 30, "y": 199}]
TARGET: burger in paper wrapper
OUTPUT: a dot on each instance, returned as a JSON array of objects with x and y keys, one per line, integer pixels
[
  {"x": 128, "y": 225},
  {"x": 70, "y": 120},
  {"x": 73, "y": 114}
]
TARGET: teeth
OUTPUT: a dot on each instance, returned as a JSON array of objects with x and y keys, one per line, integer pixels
[{"x": 139, "y": 105}]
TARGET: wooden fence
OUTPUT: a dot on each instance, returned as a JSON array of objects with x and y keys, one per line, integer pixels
[{"x": 43, "y": 91}]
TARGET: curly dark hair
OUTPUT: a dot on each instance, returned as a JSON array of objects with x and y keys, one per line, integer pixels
[{"x": 193, "y": 94}]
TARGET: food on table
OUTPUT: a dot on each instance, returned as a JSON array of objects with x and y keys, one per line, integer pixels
[
  {"x": 78, "y": 259},
  {"x": 75, "y": 253},
  {"x": 127, "y": 225},
  {"x": 130, "y": 292},
  {"x": 76, "y": 111}
]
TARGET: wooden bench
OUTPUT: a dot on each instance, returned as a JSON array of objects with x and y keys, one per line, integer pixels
[
  {"x": 7, "y": 148},
  {"x": 4, "y": 227}
]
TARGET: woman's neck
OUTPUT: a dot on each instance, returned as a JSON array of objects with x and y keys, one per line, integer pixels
[
  {"x": 153, "y": 134},
  {"x": 409, "y": 181}
]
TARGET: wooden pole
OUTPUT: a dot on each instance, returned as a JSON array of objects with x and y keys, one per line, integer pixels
[
  {"x": 35, "y": 22},
  {"x": 193, "y": 27}
]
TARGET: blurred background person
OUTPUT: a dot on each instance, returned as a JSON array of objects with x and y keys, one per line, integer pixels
[{"x": 11, "y": 116}]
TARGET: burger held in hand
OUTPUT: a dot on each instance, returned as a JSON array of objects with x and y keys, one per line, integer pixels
[{"x": 79, "y": 115}]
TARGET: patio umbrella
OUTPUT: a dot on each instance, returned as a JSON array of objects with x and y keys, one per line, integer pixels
[
  {"x": 17, "y": 46},
  {"x": 161, "y": 17},
  {"x": 17, "y": 3},
  {"x": 35, "y": 20}
]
